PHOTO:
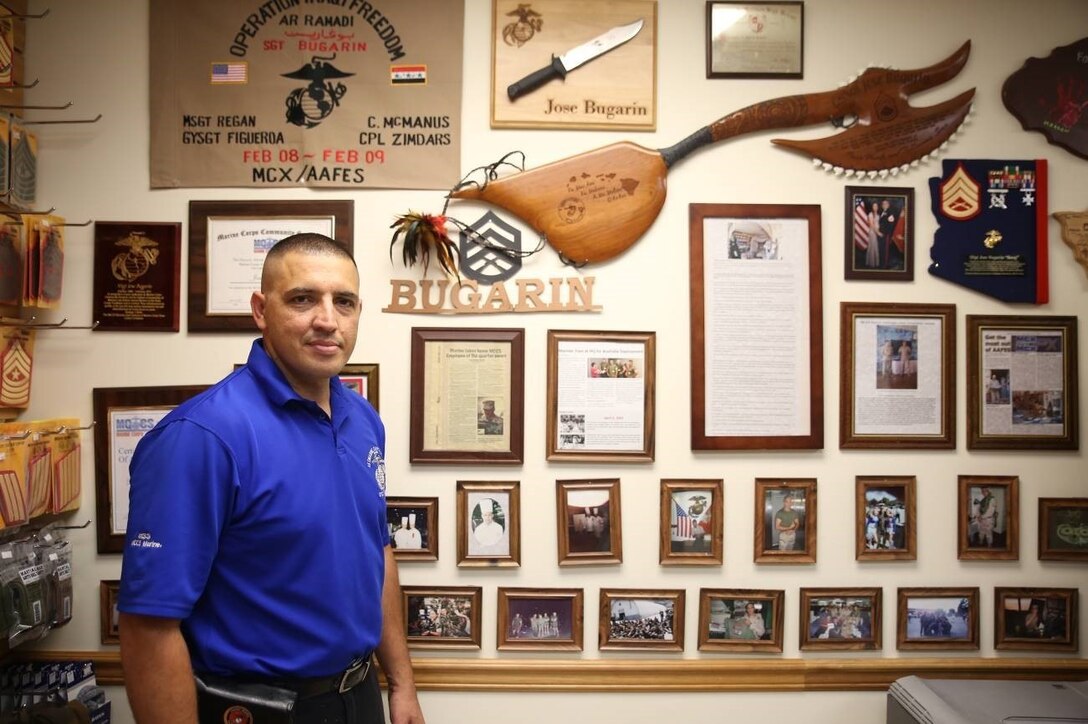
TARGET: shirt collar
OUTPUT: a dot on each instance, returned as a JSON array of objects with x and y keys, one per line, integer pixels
[{"x": 276, "y": 386}]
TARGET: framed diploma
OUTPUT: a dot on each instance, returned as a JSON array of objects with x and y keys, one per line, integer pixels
[
  {"x": 1022, "y": 383},
  {"x": 123, "y": 416},
  {"x": 601, "y": 396},
  {"x": 755, "y": 274},
  {"x": 228, "y": 241},
  {"x": 137, "y": 276},
  {"x": 755, "y": 39},
  {"x": 468, "y": 395},
  {"x": 897, "y": 376}
]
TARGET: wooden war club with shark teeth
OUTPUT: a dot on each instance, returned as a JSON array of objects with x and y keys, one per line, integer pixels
[{"x": 593, "y": 206}]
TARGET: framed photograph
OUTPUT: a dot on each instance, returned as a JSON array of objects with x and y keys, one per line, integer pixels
[
  {"x": 413, "y": 527},
  {"x": 937, "y": 618},
  {"x": 879, "y": 222},
  {"x": 540, "y": 618},
  {"x": 1035, "y": 619},
  {"x": 884, "y": 519},
  {"x": 1063, "y": 529},
  {"x": 137, "y": 276},
  {"x": 488, "y": 523},
  {"x": 840, "y": 618},
  {"x": 755, "y": 269},
  {"x": 755, "y": 39},
  {"x": 442, "y": 618},
  {"x": 228, "y": 241},
  {"x": 123, "y": 415},
  {"x": 740, "y": 619},
  {"x": 601, "y": 396},
  {"x": 468, "y": 395},
  {"x": 1022, "y": 383},
  {"x": 691, "y": 522},
  {"x": 588, "y": 521},
  {"x": 641, "y": 619},
  {"x": 989, "y": 517},
  {"x": 897, "y": 376},
  {"x": 107, "y": 608},
  {"x": 362, "y": 378},
  {"x": 785, "y": 530}
]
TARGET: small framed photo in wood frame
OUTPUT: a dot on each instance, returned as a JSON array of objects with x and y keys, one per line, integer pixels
[
  {"x": 885, "y": 520},
  {"x": 1022, "y": 383},
  {"x": 755, "y": 39},
  {"x": 1035, "y": 619},
  {"x": 1063, "y": 529},
  {"x": 989, "y": 517},
  {"x": 785, "y": 526},
  {"x": 691, "y": 522},
  {"x": 413, "y": 527},
  {"x": 740, "y": 619},
  {"x": 107, "y": 608},
  {"x": 898, "y": 376},
  {"x": 468, "y": 395},
  {"x": 540, "y": 618},
  {"x": 841, "y": 618},
  {"x": 488, "y": 524},
  {"x": 601, "y": 396},
  {"x": 937, "y": 618},
  {"x": 588, "y": 521},
  {"x": 363, "y": 379},
  {"x": 442, "y": 618},
  {"x": 879, "y": 223},
  {"x": 641, "y": 619}
]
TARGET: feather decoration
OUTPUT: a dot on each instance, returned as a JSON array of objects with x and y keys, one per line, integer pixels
[{"x": 424, "y": 234}]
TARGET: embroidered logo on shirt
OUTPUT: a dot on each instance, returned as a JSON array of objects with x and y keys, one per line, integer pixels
[
  {"x": 374, "y": 458},
  {"x": 144, "y": 540},
  {"x": 237, "y": 715}
]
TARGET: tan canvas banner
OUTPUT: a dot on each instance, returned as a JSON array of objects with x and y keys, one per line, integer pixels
[{"x": 332, "y": 93}]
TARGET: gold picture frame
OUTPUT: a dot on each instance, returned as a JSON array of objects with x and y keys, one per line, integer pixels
[
  {"x": 886, "y": 524},
  {"x": 741, "y": 620},
  {"x": 488, "y": 524},
  {"x": 785, "y": 520},
  {"x": 989, "y": 518},
  {"x": 692, "y": 514},
  {"x": 646, "y": 619},
  {"x": 540, "y": 618},
  {"x": 588, "y": 522}
]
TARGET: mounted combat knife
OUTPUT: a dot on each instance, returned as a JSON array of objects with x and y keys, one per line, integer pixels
[{"x": 568, "y": 61}]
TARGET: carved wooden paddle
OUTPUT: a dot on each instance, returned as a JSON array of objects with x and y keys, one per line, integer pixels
[{"x": 594, "y": 206}]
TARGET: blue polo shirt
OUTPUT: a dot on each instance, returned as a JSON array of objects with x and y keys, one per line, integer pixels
[{"x": 260, "y": 523}]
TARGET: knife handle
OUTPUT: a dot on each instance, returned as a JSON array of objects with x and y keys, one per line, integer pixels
[{"x": 536, "y": 79}]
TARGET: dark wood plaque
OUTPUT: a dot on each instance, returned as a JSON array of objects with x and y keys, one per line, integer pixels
[
  {"x": 1050, "y": 95},
  {"x": 137, "y": 276}
]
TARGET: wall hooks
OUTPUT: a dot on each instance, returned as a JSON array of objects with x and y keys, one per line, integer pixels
[
  {"x": 37, "y": 108},
  {"x": 32, "y": 324},
  {"x": 65, "y": 428},
  {"x": 96, "y": 119},
  {"x": 29, "y": 17},
  {"x": 24, "y": 85},
  {"x": 72, "y": 223},
  {"x": 73, "y": 527},
  {"x": 14, "y": 214}
]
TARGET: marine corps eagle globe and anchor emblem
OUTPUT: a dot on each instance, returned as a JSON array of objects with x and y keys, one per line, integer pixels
[
  {"x": 128, "y": 266},
  {"x": 307, "y": 107}
]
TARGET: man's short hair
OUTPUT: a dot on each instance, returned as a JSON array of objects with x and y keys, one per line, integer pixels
[{"x": 308, "y": 243}]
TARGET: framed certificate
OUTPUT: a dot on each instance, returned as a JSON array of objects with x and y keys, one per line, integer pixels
[{"x": 755, "y": 39}]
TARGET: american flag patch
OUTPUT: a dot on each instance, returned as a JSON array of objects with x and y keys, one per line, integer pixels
[
  {"x": 406, "y": 74},
  {"x": 230, "y": 72}
]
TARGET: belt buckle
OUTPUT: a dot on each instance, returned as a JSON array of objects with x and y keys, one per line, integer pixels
[{"x": 354, "y": 674}]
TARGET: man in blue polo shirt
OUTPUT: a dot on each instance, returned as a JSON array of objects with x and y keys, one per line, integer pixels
[{"x": 257, "y": 548}]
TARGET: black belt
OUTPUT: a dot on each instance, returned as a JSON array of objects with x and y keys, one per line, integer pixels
[{"x": 339, "y": 683}]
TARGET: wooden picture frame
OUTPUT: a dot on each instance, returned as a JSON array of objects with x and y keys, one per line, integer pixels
[
  {"x": 897, "y": 376},
  {"x": 879, "y": 244},
  {"x": 442, "y": 617},
  {"x": 1036, "y": 619},
  {"x": 755, "y": 39},
  {"x": 123, "y": 415},
  {"x": 540, "y": 618},
  {"x": 937, "y": 619},
  {"x": 363, "y": 379},
  {"x": 108, "y": 613},
  {"x": 413, "y": 527},
  {"x": 841, "y": 618},
  {"x": 785, "y": 522},
  {"x": 483, "y": 426},
  {"x": 692, "y": 514},
  {"x": 488, "y": 524},
  {"x": 588, "y": 522},
  {"x": 604, "y": 409},
  {"x": 1012, "y": 410},
  {"x": 989, "y": 518},
  {"x": 734, "y": 250},
  {"x": 885, "y": 521},
  {"x": 741, "y": 620},
  {"x": 1062, "y": 526},
  {"x": 646, "y": 619},
  {"x": 137, "y": 276},
  {"x": 219, "y": 296}
]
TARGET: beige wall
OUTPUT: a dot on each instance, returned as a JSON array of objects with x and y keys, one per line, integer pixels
[{"x": 95, "y": 54}]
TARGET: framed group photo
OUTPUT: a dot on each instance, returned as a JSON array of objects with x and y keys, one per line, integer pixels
[
  {"x": 641, "y": 619},
  {"x": 879, "y": 224},
  {"x": 588, "y": 524},
  {"x": 989, "y": 517},
  {"x": 841, "y": 618},
  {"x": 742, "y": 620},
  {"x": 937, "y": 618},
  {"x": 488, "y": 523},
  {"x": 885, "y": 520},
  {"x": 755, "y": 39},
  {"x": 1063, "y": 529},
  {"x": 785, "y": 524},
  {"x": 1035, "y": 619},
  {"x": 540, "y": 618},
  {"x": 442, "y": 618},
  {"x": 691, "y": 522},
  {"x": 413, "y": 527}
]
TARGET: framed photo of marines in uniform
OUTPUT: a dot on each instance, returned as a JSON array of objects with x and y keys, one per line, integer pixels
[
  {"x": 989, "y": 518},
  {"x": 841, "y": 618},
  {"x": 785, "y": 525},
  {"x": 540, "y": 618},
  {"x": 885, "y": 520},
  {"x": 937, "y": 618},
  {"x": 739, "y": 619},
  {"x": 641, "y": 619},
  {"x": 442, "y": 618}
]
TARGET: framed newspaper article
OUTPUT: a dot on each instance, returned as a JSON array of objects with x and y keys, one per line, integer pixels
[{"x": 1022, "y": 383}]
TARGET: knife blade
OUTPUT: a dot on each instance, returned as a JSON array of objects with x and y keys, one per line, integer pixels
[{"x": 568, "y": 61}]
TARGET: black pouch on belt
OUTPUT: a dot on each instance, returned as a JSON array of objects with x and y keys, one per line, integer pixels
[{"x": 230, "y": 702}]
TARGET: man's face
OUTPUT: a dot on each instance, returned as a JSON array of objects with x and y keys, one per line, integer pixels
[
  {"x": 309, "y": 316},
  {"x": 487, "y": 515},
  {"x": 885, "y": 204},
  {"x": 787, "y": 503}
]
